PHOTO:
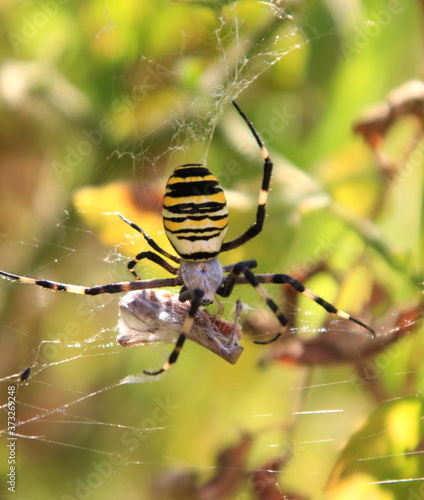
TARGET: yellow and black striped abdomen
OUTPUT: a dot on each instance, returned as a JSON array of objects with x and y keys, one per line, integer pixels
[{"x": 195, "y": 214}]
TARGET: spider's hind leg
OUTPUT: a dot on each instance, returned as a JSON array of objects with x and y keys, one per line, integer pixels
[
  {"x": 187, "y": 326},
  {"x": 299, "y": 287},
  {"x": 256, "y": 280},
  {"x": 228, "y": 285}
]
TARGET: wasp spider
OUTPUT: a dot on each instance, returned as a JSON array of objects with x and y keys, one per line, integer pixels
[{"x": 195, "y": 219}]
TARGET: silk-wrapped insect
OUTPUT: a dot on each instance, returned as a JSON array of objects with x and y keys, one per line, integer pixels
[{"x": 151, "y": 316}]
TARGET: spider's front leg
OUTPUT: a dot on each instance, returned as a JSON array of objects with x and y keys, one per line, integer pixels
[
  {"x": 149, "y": 255},
  {"x": 153, "y": 257},
  {"x": 256, "y": 227},
  {"x": 187, "y": 326}
]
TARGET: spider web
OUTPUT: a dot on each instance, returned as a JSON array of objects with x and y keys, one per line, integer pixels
[{"x": 100, "y": 425}]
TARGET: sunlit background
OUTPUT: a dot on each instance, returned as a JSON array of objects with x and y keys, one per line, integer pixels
[{"x": 100, "y": 100}]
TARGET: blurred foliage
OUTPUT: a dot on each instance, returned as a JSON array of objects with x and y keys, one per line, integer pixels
[
  {"x": 395, "y": 430},
  {"x": 100, "y": 100}
]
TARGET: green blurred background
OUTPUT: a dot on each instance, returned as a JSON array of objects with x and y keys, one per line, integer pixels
[{"x": 99, "y": 101}]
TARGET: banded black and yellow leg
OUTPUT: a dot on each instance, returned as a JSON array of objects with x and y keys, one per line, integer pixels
[
  {"x": 299, "y": 287},
  {"x": 153, "y": 257},
  {"x": 125, "y": 286},
  {"x": 228, "y": 286},
  {"x": 255, "y": 280},
  {"x": 149, "y": 240},
  {"x": 187, "y": 326},
  {"x": 283, "y": 279},
  {"x": 148, "y": 255},
  {"x": 52, "y": 285},
  {"x": 256, "y": 227},
  {"x": 251, "y": 264}
]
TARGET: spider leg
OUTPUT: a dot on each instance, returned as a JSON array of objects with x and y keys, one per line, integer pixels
[
  {"x": 256, "y": 280},
  {"x": 249, "y": 263},
  {"x": 228, "y": 285},
  {"x": 124, "y": 286},
  {"x": 149, "y": 240},
  {"x": 188, "y": 323},
  {"x": 299, "y": 287},
  {"x": 153, "y": 257},
  {"x": 256, "y": 227},
  {"x": 232, "y": 279},
  {"x": 149, "y": 255}
]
